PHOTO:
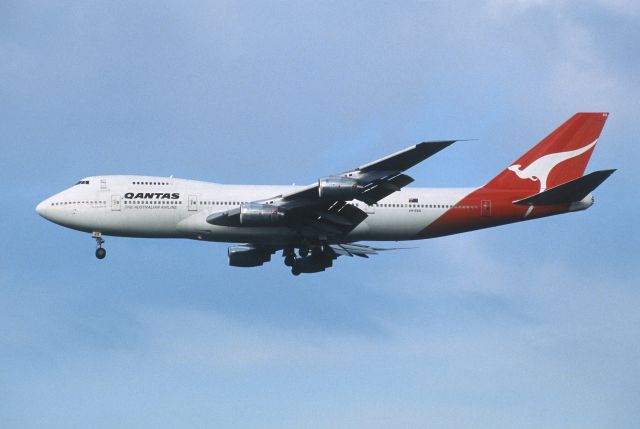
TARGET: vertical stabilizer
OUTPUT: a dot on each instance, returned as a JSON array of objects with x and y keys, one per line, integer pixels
[{"x": 560, "y": 157}]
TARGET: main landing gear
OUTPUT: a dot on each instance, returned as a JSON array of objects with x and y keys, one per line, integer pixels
[
  {"x": 289, "y": 257},
  {"x": 100, "y": 251},
  {"x": 310, "y": 259}
]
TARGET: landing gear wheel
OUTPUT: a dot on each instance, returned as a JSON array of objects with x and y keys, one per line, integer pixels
[
  {"x": 295, "y": 271},
  {"x": 289, "y": 260},
  {"x": 303, "y": 252},
  {"x": 101, "y": 253}
]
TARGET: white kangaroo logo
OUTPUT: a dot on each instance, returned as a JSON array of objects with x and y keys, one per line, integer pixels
[{"x": 539, "y": 169}]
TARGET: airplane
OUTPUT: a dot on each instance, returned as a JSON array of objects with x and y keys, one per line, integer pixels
[{"x": 313, "y": 225}]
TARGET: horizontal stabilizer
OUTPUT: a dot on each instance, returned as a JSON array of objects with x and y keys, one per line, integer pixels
[{"x": 569, "y": 192}]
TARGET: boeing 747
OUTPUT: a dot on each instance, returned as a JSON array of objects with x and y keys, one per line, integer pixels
[{"x": 313, "y": 225}]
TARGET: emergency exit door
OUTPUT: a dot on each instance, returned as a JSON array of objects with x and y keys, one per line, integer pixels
[{"x": 193, "y": 203}]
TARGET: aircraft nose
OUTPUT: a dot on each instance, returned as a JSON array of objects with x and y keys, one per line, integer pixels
[{"x": 42, "y": 208}]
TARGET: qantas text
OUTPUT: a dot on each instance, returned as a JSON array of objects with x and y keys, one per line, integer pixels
[{"x": 153, "y": 195}]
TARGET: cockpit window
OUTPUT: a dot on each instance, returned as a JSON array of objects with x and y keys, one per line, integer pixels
[{"x": 83, "y": 182}]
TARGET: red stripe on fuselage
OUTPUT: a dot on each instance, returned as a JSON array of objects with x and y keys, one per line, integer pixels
[{"x": 490, "y": 207}]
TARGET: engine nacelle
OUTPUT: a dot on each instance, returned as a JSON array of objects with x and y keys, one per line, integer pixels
[
  {"x": 338, "y": 188},
  {"x": 247, "y": 256},
  {"x": 258, "y": 214}
]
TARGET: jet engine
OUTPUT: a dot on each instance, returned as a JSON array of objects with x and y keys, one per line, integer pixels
[
  {"x": 247, "y": 256},
  {"x": 258, "y": 214},
  {"x": 338, "y": 188}
]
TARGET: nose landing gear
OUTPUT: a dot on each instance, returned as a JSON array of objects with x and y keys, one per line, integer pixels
[{"x": 100, "y": 252}]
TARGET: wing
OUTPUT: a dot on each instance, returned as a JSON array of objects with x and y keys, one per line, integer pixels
[
  {"x": 380, "y": 178},
  {"x": 326, "y": 210}
]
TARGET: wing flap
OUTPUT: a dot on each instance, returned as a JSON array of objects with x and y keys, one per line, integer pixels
[
  {"x": 335, "y": 218},
  {"x": 383, "y": 189},
  {"x": 354, "y": 249},
  {"x": 338, "y": 220}
]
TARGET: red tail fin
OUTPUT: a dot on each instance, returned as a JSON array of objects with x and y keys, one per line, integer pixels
[{"x": 560, "y": 157}]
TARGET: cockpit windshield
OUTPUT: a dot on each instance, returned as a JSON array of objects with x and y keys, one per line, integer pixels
[{"x": 83, "y": 182}]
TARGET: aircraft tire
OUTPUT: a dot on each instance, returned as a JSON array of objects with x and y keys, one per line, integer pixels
[{"x": 101, "y": 253}]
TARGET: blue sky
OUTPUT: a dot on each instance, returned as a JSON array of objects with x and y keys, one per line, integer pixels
[{"x": 532, "y": 325}]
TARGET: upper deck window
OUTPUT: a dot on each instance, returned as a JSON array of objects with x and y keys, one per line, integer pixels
[{"x": 83, "y": 182}]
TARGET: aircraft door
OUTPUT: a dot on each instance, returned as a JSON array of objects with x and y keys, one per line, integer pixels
[
  {"x": 115, "y": 203},
  {"x": 485, "y": 208},
  {"x": 193, "y": 203}
]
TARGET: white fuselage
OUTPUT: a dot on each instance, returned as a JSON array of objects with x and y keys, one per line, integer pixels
[{"x": 159, "y": 207}]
